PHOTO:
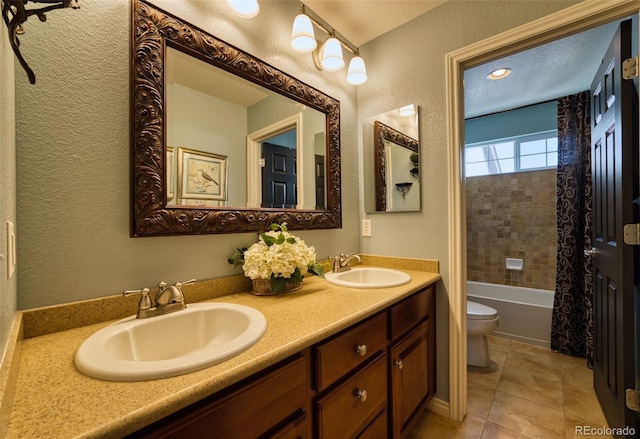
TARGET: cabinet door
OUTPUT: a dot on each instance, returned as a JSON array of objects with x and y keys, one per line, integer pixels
[{"x": 409, "y": 377}]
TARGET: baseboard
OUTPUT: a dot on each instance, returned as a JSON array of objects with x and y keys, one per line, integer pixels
[{"x": 439, "y": 407}]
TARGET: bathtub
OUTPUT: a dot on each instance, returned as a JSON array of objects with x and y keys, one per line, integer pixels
[{"x": 525, "y": 313}]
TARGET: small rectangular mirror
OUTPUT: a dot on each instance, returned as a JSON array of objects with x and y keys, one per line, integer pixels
[{"x": 392, "y": 161}]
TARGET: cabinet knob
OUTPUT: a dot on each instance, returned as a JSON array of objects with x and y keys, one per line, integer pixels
[
  {"x": 398, "y": 364},
  {"x": 361, "y": 395},
  {"x": 361, "y": 350}
]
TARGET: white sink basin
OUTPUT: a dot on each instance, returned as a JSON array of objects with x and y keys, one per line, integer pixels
[
  {"x": 200, "y": 336},
  {"x": 368, "y": 277}
]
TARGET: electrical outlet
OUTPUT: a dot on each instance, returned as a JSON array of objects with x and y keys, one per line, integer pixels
[
  {"x": 366, "y": 227},
  {"x": 11, "y": 249}
]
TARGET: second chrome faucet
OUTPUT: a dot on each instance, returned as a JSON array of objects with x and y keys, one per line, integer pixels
[{"x": 341, "y": 262}]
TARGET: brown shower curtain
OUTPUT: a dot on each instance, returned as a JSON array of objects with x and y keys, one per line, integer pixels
[{"x": 572, "y": 321}]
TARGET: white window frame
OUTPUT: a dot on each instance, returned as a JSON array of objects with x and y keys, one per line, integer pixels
[{"x": 517, "y": 141}]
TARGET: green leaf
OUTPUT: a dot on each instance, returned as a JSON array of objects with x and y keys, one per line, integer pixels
[
  {"x": 278, "y": 284},
  {"x": 231, "y": 261},
  {"x": 280, "y": 239},
  {"x": 283, "y": 227},
  {"x": 316, "y": 269},
  {"x": 296, "y": 277},
  {"x": 269, "y": 240},
  {"x": 274, "y": 227},
  {"x": 291, "y": 240}
]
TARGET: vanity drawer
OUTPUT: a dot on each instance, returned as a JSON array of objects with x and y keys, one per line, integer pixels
[
  {"x": 346, "y": 410},
  {"x": 247, "y": 410},
  {"x": 411, "y": 311},
  {"x": 341, "y": 354}
]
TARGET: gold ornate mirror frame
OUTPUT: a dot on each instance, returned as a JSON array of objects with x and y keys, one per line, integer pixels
[{"x": 152, "y": 31}]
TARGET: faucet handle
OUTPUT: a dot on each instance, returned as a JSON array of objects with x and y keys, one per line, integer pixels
[
  {"x": 336, "y": 261},
  {"x": 145, "y": 300},
  {"x": 187, "y": 282},
  {"x": 178, "y": 296}
]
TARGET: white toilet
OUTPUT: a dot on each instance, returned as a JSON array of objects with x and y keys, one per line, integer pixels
[{"x": 481, "y": 321}]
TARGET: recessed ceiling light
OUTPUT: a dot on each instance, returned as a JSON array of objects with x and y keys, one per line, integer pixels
[{"x": 499, "y": 73}]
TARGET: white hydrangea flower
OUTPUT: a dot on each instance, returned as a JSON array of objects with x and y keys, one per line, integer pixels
[{"x": 281, "y": 260}]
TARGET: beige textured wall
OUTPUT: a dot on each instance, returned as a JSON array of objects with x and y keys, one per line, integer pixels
[
  {"x": 73, "y": 153},
  {"x": 8, "y": 287},
  {"x": 512, "y": 216},
  {"x": 407, "y": 65}
]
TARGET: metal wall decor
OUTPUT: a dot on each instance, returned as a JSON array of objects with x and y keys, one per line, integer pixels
[
  {"x": 152, "y": 30},
  {"x": 15, "y": 13}
]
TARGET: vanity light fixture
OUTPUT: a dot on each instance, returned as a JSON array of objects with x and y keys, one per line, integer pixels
[
  {"x": 244, "y": 8},
  {"x": 303, "y": 39},
  {"x": 328, "y": 54},
  {"x": 500, "y": 73},
  {"x": 357, "y": 73}
]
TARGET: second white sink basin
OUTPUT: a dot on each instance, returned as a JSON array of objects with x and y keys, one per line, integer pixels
[
  {"x": 199, "y": 336},
  {"x": 368, "y": 277}
]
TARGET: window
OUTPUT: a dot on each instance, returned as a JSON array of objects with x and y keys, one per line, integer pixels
[{"x": 524, "y": 153}]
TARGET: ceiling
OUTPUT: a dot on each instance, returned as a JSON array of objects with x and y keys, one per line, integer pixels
[
  {"x": 547, "y": 72},
  {"x": 360, "y": 21}
]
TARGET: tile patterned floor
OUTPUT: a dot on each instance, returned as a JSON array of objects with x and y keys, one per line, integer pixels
[{"x": 528, "y": 392}]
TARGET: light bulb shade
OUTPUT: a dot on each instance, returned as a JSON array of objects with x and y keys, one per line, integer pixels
[
  {"x": 357, "y": 71},
  {"x": 303, "y": 38},
  {"x": 331, "y": 56},
  {"x": 244, "y": 8}
]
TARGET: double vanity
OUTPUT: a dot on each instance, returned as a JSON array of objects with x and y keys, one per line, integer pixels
[{"x": 334, "y": 361}]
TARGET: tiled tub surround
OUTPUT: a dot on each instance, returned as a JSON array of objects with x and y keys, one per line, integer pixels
[
  {"x": 53, "y": 399},
  {"x": 512, "y": 216}
]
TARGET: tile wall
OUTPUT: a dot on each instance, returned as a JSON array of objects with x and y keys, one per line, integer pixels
[{"x": 512, "y": 216}]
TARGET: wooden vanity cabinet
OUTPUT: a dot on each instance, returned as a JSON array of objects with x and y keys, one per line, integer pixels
[
  {"x": 273, "y": 405},
  {"x": 370, "y": 381},
  {"x": 411, "y": 359}
]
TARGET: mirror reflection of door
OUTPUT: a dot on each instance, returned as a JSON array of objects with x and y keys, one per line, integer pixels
[
  {"x": 213, "y": 111},
  {"x": 279, "y": 172}
]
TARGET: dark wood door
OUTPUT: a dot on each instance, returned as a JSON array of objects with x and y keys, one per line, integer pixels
[
  {"x": 614, "y": 105},
  {"x": 320, "y": 183},
  {"x": 279, "y": 176}
]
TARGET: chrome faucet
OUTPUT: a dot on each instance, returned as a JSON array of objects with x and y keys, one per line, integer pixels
[
  {"x": 341, "y": 262},
  {"x": 168, "y": 299}
]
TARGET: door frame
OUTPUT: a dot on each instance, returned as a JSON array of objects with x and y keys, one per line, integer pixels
[
  {"x": 254, "y": 155},
  {"x": 577, "y": 18}
]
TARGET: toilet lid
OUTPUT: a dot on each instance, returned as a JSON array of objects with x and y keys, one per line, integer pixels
[{"x": 478, "y": 311}]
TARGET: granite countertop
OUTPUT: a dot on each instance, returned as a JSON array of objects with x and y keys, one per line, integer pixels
[{"x": 52, "y": 399}]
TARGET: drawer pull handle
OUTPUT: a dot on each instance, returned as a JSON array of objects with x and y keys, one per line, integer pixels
[
  {"x": 361, "y": 395},
  {"x": 361, "y": 350},
  {"x": 398, "y": 364}
]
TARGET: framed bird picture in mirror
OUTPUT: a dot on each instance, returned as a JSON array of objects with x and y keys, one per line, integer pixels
[
  {"x": 202, "y": 178},
  {"x": 170, "y": 175}
]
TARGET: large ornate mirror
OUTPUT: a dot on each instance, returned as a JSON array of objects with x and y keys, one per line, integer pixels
[
  {"x": 392, "y": 161},
  {"x": 223, "y": 142}
]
